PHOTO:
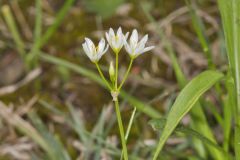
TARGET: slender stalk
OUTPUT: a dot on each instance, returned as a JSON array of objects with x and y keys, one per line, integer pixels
[
  {"x": 126, "y": 74},
  {"x": 236, "y": 49},
  {"x": 236, "y": 54},
  {"x": 121, "y": 129},
  {"x": 116, "y": 72},
  {"x": 49, "y": 32},
  {"x": 7, "y": 14},
  {"x": 129, "y": 127},
  {"x": 103, "y": 77},
  {"x": 130, "y": 123}
]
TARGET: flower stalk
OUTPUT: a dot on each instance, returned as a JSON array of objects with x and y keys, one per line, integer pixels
[
  {"x": 116, "y": 41},
  {"x": 126, "y": 74},
  {"x": 103, "y": 77}
]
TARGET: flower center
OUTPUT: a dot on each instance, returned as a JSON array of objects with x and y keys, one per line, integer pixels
[
  {"x": 96, "y": 50},
  {"x": 116, "y": 38}
]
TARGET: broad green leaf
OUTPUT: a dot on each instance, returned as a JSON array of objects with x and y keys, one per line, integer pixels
[{"x": 185, "y": 101}]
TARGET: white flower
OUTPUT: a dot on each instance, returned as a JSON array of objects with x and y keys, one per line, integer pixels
[
  {"x": 94, "y": 53},
  {"x": 117, "y": 41},
  {"x": 135, "y": 48}
]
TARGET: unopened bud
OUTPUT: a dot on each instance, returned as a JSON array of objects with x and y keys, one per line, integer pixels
[{"x": 111, "y": 72}]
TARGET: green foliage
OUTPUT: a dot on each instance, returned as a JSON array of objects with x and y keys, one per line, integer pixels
[
  {"x": 185, "y": 101},
  {"x": 104, "y": 8},
  {"x": 158, "y": 125},
  {"x": 57, "y": 150},
  {"x": 230, "y": 11},
  {"x": 31, "y": 58},
  {"x": 197, "y": 115}
]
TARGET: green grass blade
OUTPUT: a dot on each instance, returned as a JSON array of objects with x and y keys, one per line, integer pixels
[
  {"x": 38, "y": 21},
  {"x": 129, "y": 127},
  {"x": 148, "y": 110},
  {"x": 198, "y": 118},
  {"x": 193, "y": 133},
  {"x": 228, "y": 110},
  {"x": 86, "y": 137},
  {"x": 98, "y": 131},
  {"x": 236, "y": 48},
  {"x": 236, "y": 51},
  {"x": 78, "y": 124},
  {"x": 168, "y": 46},
  {"x": 7, "y": 14},
  {"x": 200, "y": 30},
  {"x": 57, "y": 148},
  {"x": 237, "y": 142},
  {"x": 130, "y": 123},
  {"x": 37, "y": 34},
  {"x": 185, "y": 101},
  {"x": 226, "y": 14},
  {"x": 158, "y": 125},
  {"x": 46, "y": 36},
  {"x": 230, "y": 13}
]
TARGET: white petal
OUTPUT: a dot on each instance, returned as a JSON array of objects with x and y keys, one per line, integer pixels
[
  {"x": 134, "y": 38},
  {"x": 119, "y": 32},
  {"x": 141, "y": 44},
  {"x": 125, "y": 38},
  {"x": 147, "y": 49},
  {"x": 120, "y": 42},
  {"x": 143, "y": 40},
  {"x": 111, "y": 33},
  {"x": 128, "y": 48},
  {"x": 89, "y": 41},
  {"x": 101, "y": 45},
  {"x": 85, "y": 48},
  {"x": 107, "y": 37},
  {"x": 100, "y": 54},
  {"x": 90, "y": 45},
  {"x": 106, "y": 49}
]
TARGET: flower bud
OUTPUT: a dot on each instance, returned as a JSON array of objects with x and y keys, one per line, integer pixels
[{"x": 111, "y": 72}]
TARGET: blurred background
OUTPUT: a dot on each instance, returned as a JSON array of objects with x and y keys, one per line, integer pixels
[{"x": 50, "y": 110}]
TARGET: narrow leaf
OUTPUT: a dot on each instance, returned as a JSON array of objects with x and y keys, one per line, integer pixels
[{"x": 185, "y": 101}]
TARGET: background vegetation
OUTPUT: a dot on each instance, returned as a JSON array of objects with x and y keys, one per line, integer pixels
[{"x": 54, "y": 106}]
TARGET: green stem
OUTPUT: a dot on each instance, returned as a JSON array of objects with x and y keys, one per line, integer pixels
[
  {"x": 116, "y": 72},
  {"x": 121, "y": 130},
  {"x": 126, "y": 74},
  {"x": 129, "y": 127},
  {"x": 8, "y": 16},
  {"x": 236, "y": 49},
  {"x": 103, "y": 77}
]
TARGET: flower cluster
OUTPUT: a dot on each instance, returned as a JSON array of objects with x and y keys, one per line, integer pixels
[{"x": 116, "y": 41}]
